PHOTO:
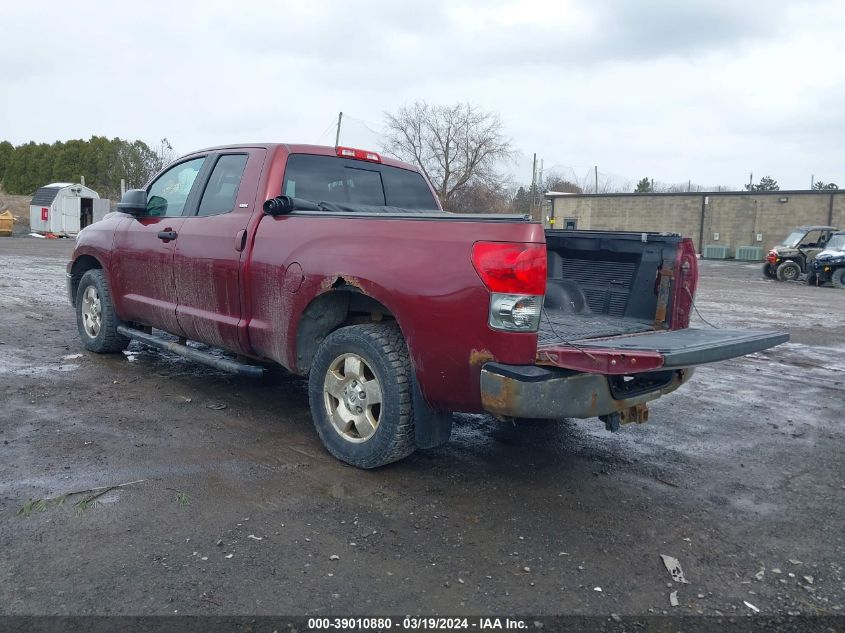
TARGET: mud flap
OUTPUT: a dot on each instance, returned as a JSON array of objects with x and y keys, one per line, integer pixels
[{"x": 432, "y": 428}]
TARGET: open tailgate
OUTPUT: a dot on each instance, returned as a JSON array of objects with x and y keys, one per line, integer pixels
[{"x": 652, "y": 351}]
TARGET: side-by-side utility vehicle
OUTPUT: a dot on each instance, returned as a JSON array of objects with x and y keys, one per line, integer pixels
[
  {"x": 794, "y": 256},
  {"x": 338, "y": 264},
  {"x": 829, "y": 265}
]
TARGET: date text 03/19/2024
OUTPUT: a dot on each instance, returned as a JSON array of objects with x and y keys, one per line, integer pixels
[{"x": 410, "y": 623}]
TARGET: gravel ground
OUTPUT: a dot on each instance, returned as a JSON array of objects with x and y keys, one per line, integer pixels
[{"x": 234, "y": 507}]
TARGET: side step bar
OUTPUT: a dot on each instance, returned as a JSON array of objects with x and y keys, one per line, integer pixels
[{"x": 233, "y": 366}]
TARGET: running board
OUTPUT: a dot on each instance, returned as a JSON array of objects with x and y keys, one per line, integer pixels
[{"x": 233, "y": 366}]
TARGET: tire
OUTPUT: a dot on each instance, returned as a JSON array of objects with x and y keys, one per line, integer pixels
[
  {"x": 769, "y": 271},
  {"x": 837, "y": 278},
  {"x": 788, "y": 271},
  {"x": 96, "y": 319},
  {"x": 369, "y": 360},
  {"x": 812, "y": 279}
]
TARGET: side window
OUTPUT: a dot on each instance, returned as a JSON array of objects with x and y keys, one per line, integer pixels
[
  {"x": 363, "y": 186},
  {"x": 166, "y": 196},
  {"x": 222, "y": 188},
  {"x": 407, "y": 189}
]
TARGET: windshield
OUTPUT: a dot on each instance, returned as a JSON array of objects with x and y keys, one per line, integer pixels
[
  {"x": 793, "y": 239},
  {"x": 836, "y": 243}
]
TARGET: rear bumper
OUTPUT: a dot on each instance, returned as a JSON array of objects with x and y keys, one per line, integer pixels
[{"x": 524, "y": 391}]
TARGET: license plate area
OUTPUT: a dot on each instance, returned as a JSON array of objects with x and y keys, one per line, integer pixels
[{"x": 628, "y": 386}]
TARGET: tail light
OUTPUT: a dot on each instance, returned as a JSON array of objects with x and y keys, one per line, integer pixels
[
  {"x": 772, "y": 257},
  {"x": 357, "y": 154},
  {"x": 686, "y": 283},
  {"x": 515, "y": 274}
]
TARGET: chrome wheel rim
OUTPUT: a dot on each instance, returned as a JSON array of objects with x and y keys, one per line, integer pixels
[
  {"x": 352, "y": 397},
  {"x": 91, "y": 312}
]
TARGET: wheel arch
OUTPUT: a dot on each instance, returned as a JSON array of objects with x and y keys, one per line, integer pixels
[
  {"x": 342, "y": 303},
  {"x": 346, "y": 301},
  {"x": 80, "y": 266}
]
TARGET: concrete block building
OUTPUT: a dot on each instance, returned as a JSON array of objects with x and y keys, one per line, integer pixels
[{"x": 732, "y": 219}]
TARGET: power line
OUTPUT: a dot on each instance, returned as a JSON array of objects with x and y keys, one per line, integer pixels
[{"x": 329, "y": 127}]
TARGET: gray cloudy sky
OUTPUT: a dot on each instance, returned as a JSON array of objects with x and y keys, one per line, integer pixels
[{"x": 707, "y": 90}]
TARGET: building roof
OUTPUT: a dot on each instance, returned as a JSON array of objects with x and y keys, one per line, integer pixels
[
  {"x": 45, "y": 195},
  {"x": 698, "y": 194}
]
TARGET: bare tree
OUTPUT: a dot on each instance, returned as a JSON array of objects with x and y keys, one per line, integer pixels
[
  {"x": 556, "y": 182},
  {"x": 481, "y": 197},
  {"x": 454, "y": 146}
]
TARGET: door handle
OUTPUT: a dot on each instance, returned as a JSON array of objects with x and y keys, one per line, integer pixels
[
  {"x": 167, "y": 235},
  {"x": 240, "y": 240}
]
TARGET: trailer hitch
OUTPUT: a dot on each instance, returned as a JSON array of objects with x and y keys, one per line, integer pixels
[{"x": 638, "y": 413}]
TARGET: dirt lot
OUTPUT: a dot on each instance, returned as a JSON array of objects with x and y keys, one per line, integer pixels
[{"x": 740, "y": 475}]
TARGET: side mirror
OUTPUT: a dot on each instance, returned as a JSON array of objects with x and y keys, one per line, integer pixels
[{"x": 133, "y": 202}]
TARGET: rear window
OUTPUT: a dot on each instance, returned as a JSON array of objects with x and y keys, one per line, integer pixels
[{"x": 330, "y": 179}]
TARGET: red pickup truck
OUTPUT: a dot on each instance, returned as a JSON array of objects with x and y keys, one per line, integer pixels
[{"x": 340, "y": 265}]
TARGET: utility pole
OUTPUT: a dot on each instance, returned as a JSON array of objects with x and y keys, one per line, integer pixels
[
  {"x": 533, "y": 184},
  {"x": 597, "y": 178},
  {"x": 689, "y": 185},
  {"x": 337, "y": 136},
  {"x": 812, "y": 181},
  {"x": 652, "y": 186},
  {"x": 750, "y": 181}
]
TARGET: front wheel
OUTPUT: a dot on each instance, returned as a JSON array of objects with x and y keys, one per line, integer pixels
[
  {"x": 96, "y": 319},
  {"x": 812, "y": 279},
  {"x": 788, "y": 271},
  {"x": 838, "y": 278},
  {"x": 360, "y": 392}
]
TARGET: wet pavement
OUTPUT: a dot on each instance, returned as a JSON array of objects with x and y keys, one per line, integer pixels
[{"x": 233, "y": 506}]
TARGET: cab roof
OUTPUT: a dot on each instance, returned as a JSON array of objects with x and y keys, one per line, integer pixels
[{"x": 303, "y": 148}]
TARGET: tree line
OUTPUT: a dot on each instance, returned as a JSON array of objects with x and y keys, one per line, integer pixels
[
  {"x": 460, "y": 148},
  {"x": 101, "y": 161}
]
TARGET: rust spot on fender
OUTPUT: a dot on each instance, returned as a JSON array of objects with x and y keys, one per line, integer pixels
[
  {"x": 478, "y": 357},
  {"x": 337, "y": 281}
]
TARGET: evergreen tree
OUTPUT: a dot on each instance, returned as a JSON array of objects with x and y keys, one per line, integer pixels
[{"x": 643, "y": 186}]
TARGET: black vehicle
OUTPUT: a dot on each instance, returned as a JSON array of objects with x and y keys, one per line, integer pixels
[{"x": 829, "y": 265}]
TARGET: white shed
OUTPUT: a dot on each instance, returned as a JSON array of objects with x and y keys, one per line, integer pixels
[{"x": 65, "y": 208}]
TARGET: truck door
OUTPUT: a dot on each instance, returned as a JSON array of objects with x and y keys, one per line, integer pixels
[
  {"x": 142, "y": 265},
  {"x": 209, "y": 251}
]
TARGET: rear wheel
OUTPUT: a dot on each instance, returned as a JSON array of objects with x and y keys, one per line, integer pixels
[
  {"x": 838, "y": 278},
  {"x": 788, "y": 271},
  {"x": 96, "y": 319},
  {"x": 359, "y": 389},
  {"x": 812, "y": 279},
  {"x": 769, "y": 271}
]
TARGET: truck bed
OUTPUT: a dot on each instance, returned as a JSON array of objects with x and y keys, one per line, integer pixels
[
  {"x": 602, "y": 284},
  {"x": 560, "y": 327}
]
